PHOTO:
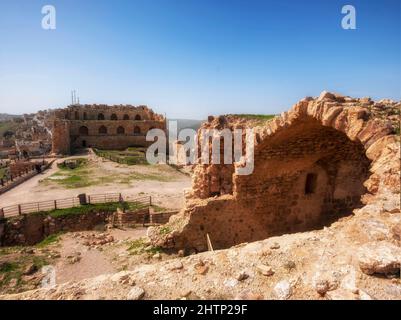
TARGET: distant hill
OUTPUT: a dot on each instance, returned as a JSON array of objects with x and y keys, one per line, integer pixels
[
  {"x": 5, "y": 116},
  {"x": 7, "y": 125},
  {"x": 188, "y": 123}
]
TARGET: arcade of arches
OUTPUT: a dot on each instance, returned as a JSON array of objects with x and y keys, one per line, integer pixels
[{"x": 103, "y": 127}]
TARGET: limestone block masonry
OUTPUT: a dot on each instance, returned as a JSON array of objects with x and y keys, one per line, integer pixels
[
  {"x": 314, "y": 164},
  {"x": 103, "y": 127}
]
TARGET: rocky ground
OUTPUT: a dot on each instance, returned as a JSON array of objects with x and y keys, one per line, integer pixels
[
  {"x": 75, "y": 256},
  {"x": 343, "y": 261},
  {"x": 357, "y": 257}
]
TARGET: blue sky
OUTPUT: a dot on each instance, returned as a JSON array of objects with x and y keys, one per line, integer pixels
[{"x": 192, "y": 58}]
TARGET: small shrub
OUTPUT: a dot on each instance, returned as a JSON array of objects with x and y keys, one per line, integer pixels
[
  {"x": 53, "y": 238},
  {"x": 7, "y": 267},
  {"x": 164, "y": 230}
]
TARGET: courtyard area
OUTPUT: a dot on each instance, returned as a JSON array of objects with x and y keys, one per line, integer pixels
[{"x": 97, "y": 175}]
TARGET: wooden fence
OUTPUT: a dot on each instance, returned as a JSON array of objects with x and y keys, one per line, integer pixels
[{"x": 82, "y": 199}]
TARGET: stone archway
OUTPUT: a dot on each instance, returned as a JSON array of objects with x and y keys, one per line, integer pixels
[
  {"x": 83, "y": 131},
  {"x": 312, "y": 164},
  {"x": 137, "y": 131},
  {"x": 102, "y": 130},
  {"x": 305, "y": 177}
]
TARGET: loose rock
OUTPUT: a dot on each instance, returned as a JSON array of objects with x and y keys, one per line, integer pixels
[{"x": 136, "y": 293}]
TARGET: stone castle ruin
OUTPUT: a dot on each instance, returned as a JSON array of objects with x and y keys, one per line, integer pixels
[
  {"x": 103, "y": 127},
  {"x": 314, "y": 164}
]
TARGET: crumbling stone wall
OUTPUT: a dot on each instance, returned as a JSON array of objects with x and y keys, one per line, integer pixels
[
  {"x": 311, "y": 167},
  {"x": 103, "y": 127},
  {"x": 33, "y": 228},
  {"x": 61, "y": 137}
]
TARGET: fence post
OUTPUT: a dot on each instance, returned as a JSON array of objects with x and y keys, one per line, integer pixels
[
  {"x": 120, "y": 198},
  {"x": 82, "y": 199},
  {"x": 150, "y": 201},
  {"x": 19, "y": 210},
  {"x": 2, "y": 182},
  {"x": 55, "y": 204},
  {"x": 89, "y": 199}
]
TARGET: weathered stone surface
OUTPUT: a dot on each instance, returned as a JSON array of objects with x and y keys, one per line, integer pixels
[
  {"x": 326, "y": 95},
  {"x": 136, "y": 293},
  {"x": 265, "y": 270},
  {"x": 376, "y": 149},
  {"x": 382, "y": 258},
  {"x": 282, "y": 290},
  {"x": 331, "y": 139},
  {"x": 102, "y": 126},
  {"x": 341, "y": 294},
  {"x": 248, "y": 295}
]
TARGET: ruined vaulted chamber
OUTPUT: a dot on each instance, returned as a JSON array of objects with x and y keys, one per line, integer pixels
[
  {"x": 312, "y": 166},
  {"x": 103, "y": 127}
]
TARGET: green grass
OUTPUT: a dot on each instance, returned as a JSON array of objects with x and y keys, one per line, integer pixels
[
  {"x": 164, "y": 230},
  {"x": 7, "y": 267},
  {"x": 2, "y": 172},
  {"x": 78, "y": 177},
  {"x": 139, "y": 246},
  {"x": 85, "y": 209},
  {"x": 263, "y": 117},
  {"x": 53, "y": 238},
  {"x": 72, "y": 178},
  {"x": 130, "y": 156},
  {"x": 75, "y": 181},
  {"x": 259, "y": 119},
  {"x": 14, "y": 269},
  {"x": 84, "y": 175},
  {"x": 93, "y": 208},
  {"x": 80, "y": 163}
]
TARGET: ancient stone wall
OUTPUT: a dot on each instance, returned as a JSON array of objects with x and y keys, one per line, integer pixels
[
  {"x": 103, "y": 127},
  {"x": 61, "y": 137},
  {"x": 33, "y": 228},
  {"x": 311, "y": 167}
]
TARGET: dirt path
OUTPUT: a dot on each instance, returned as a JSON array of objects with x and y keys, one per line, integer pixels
[
  {"x": 79, "y": 261},
  {"x": 166, "y": 187},
  {"x": 25, "y": 192}
]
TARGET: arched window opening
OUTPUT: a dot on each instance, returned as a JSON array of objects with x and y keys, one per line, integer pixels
[
  {"x": 310, "y": 183},
  {"x": 137, "y": 131},
  {"x": 137, "y": 117},
  {"x": 103, "y": 130},
  {"x": 113, "y": 117},
  {"x": 126, "y": 117},
  {"x": 76, "y": 115},
  {"x": 120, "y": 130},
  {"x": 83, "y": 131},
  {"x": 100, "y": 116},
  {"x": 85, "y": 116}
]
